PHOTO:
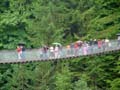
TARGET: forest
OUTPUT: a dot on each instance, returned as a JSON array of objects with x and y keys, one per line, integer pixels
[{"x": 42, "y": 22}]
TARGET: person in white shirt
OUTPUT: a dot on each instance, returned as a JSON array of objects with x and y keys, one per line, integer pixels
[
  {"x": 51, "y": 51},
  {"x": 118, "y": 40},
  {"x": 107, "y": 43},
  {"x": 56, "y": 52}
]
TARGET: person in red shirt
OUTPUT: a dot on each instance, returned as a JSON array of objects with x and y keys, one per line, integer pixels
[
  {"x": 76, "y": 47},
  {"x": 19, "y": 51}
]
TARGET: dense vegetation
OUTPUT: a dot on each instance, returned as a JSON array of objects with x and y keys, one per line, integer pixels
[{"x": 39, "y": 22}]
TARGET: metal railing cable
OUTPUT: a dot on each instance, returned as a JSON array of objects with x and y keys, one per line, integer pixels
[{"x": 7, "y": 56}]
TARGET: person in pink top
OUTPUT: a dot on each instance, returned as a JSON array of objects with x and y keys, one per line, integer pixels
[
  {"x": 99, "y": 43},
  {"x": 85, "y": 49}
]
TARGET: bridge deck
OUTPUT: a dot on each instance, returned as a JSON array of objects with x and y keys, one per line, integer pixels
[{"x": 36, "y": 55}]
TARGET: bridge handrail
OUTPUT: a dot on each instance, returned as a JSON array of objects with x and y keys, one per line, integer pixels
[{"x": 35, "y": 54}]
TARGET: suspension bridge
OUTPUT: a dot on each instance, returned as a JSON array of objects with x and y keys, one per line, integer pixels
[{"x": 34, "y": 55}]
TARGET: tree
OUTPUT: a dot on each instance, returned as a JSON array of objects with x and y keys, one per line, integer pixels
[
  {"x": 81, "y": 85},
  {"x": 63, "y": 79}
]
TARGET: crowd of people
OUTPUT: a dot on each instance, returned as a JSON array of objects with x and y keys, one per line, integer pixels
[{"x": 73, "y": 49}]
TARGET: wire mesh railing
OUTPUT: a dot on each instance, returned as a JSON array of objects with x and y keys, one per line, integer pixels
[{"x": 38, "y": 54}]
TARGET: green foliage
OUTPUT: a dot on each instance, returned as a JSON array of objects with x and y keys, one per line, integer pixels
[
  {"x": 39, "y": 22},
  {"x": 81, "y": 85},
  {"x": 63, "y": 79},
  {"x": 115, "y": 84}
]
